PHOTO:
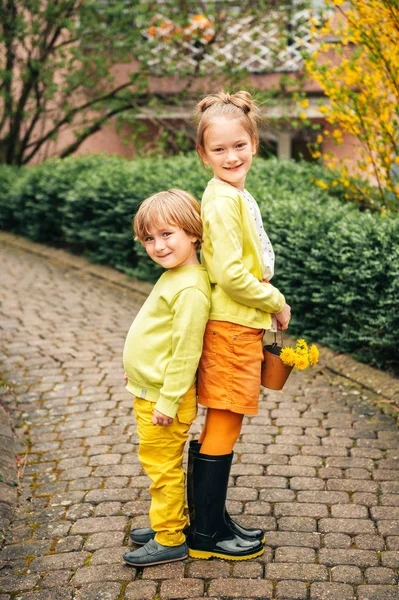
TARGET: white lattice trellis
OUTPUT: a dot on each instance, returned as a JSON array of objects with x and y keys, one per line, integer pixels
[{"x": 274, "y": 43}]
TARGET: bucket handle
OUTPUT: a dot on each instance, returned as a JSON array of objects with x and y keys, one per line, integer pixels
[{"x": 275, "y": 343}]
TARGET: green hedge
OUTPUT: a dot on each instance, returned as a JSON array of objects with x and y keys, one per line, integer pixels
[{"x": 337, "y": 266}]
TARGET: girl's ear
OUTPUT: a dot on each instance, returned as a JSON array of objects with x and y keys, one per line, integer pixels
[
  {"x": 202, "y": 154},
  {"x": 253, "y": 144}
]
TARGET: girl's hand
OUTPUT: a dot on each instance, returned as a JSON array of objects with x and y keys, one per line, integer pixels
[
  {"x": 283, "y": 317},
  {"x": 159, "y": 418},
  {"x": 125, "y": 377}
]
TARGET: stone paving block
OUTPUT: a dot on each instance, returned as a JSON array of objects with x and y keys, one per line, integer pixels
[
  {"x": 330, "y": 473},
  {"x": 365, "y": 499},
  {"x": 352, "y": 485},
  {"x": 389, "y": 499},
  {"x": 323, "y": 497},
  {"x": 300, "y": 510},
  {"x": 349, "y": 511},
  {"x": 261, "y": 482},
  {"x": 392, "y": 542},
  {"x": 377, "y": 592},
  {"x": 253, "y": 508},
  {"x": 337, "y": 540},
  {"x": 292, "y": 554},
  {"x": 306, "y": 461},
  {"x": 380, "y": 575},
  {"x": 18, "y": 583},
  {"x": 369, "y": 542},
  {"x": 182, "y": 588},
  {"x": 388, "y": 527},
  {"x": 347, "y": 574},
  {"x": 47, "y": 594},
  {"x": 86, "y": 575},
  {"x": 286, "y": 538},
  {"x": 140, "y": 590},
  {"x": 24, "y": 550},
  {"x": 101, "y": 591},
  {"x": 385, "y": 512},
  {"x": 350, "y": 526},
  {"x": 359, "y": 558},
  {"x": 56, "y": 579},
  {"x": 277, "y": 495},
  {"x": 306, "y": 483},
  {"x": 171, "y": 571},
  {"x": 108, "y": 556},
  {"x": 291, "y": 590},
  {"x": 105, "y": 539},
  {"x": 244, "y": 494},
  {"x": 303, "y": 572},
  {"x": 57, "y": 562},
  {"x": 238, "y": 588},
  {"x": 97, "y": 524},
  {"x": 210, "y": 569},
  {"x": 331, "y": 591},
  {"x": 247, "y": 569},
  {"x": 297, "y": 524},
  {"x": 52, "y": 530},
  {"x": 71, "y": 543},
  {"x": 390, "y": 559},
  {"x": 291, "y": 471}
]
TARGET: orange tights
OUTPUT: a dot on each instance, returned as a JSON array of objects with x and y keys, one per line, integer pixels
[{"x": 220, "y": 432}]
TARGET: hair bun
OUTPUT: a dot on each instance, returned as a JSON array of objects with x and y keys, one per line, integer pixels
[{"x": 243, "y": 100}]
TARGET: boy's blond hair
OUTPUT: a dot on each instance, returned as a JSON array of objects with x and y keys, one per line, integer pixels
[{"x": 172, "y": 207}]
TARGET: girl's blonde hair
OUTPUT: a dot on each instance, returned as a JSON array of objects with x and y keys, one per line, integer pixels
[
  {"x": 240, "y": 105},
  {"x": 172, "y": 207}
]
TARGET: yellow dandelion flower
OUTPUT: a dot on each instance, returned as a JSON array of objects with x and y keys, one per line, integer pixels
[
  {"x": 302, "y": 361},
  {"x": 287, "y": 355},
  {"x": 313, "y": 355},
  {"x": 301, "y": 347}
]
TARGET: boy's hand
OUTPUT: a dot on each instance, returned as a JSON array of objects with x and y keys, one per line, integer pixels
[
  {"x": 283, "y": 317},
  {"x": 159, "y": 418},
  {"x": 125, "y": 377}
]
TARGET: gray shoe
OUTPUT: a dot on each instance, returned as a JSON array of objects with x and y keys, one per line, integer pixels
[
  {"x": 153, "y": 553},
  {"x": 142, "y": 535}
]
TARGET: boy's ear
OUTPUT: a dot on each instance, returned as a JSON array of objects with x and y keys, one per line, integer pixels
[{"x": 202, "y": 154}]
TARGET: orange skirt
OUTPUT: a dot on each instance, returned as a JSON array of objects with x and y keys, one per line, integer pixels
[{"x": 230, "y": 367}]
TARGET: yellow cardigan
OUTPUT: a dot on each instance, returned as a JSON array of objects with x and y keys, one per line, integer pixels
[{"x": 232, "y": 254}]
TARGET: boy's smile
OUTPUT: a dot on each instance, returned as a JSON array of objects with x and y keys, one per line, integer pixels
[
  {"x": 171, "y": 247},
  {"x": 228, "y": 149}
]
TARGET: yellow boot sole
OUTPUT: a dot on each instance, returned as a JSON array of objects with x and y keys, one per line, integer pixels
[{"x": 203, "y": 554}]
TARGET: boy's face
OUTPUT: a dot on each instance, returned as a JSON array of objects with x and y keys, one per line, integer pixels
[{"x": 171, "y": 247}]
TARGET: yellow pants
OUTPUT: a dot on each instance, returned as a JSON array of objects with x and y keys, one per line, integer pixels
[{"x": 161, "y": 455}]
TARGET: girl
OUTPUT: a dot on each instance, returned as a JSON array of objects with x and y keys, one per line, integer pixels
[{"x": 239, "y": 258}]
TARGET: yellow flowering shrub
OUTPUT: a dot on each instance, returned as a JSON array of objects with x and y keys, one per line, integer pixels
[
  {"x": 301, "y": 357},
  {"x": 360, "y": 77}
]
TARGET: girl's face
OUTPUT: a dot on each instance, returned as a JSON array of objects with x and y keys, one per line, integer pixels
[
  {"x": 171, "y": 247},
  {"x": 228, "y": 150}
]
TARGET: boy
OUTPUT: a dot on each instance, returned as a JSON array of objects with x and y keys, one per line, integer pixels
[{"x": 161, "y": 355}]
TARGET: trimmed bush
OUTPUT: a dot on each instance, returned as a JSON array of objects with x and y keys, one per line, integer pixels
[
  {"x": 39, "y": 196},
  {"x": 8, "y": 178},
  {"x": 338, "y": 267}
]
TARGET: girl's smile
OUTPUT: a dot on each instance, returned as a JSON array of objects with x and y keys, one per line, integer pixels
[{"x": 228, "y": 150}]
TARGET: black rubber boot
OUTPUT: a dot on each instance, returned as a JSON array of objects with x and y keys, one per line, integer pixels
[
  {"x": 244, "y": 532},
  {"x": 209, "y": 535}
]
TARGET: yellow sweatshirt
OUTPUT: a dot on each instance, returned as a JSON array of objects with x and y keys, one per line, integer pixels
[
  {"x": 164, "y": 343},
  {"x": 232, "y": 254}
]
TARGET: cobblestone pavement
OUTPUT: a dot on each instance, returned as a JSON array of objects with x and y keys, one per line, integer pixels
[{"x": 318, "y": 467}]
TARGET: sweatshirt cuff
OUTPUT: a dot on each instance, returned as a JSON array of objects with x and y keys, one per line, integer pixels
[{"x": 167, "y": 407}]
